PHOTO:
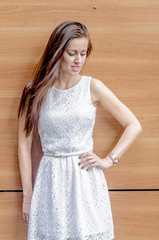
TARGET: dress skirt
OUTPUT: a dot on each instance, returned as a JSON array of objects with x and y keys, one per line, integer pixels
[{"x": 69, "y": 203}]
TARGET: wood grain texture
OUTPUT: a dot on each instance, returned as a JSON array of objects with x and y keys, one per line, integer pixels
[
  {"x": 125, "y": 37},
  {"x": 135, "y": 214},
  {"x": 12, "y": 226}
]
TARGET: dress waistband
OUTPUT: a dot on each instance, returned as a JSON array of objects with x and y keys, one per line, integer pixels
[{"x": 66, "y": 154}]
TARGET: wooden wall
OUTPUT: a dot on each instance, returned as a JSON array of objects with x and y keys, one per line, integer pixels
[{"x": 125, "y": 36}]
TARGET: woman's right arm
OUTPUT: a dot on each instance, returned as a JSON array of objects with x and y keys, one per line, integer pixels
[{"x": 25, "y": 165}]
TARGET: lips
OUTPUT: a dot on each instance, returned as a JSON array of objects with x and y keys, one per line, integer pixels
[{"x": 75, "y": 68}]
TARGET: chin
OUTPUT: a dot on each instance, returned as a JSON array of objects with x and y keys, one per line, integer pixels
[{"x": 74, "y": 73}]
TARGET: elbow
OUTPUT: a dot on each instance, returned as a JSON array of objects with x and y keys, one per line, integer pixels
[
  {"x": 20, "y": 147},
  {"x": 135, "y": 128},
  {"x": 138, "y": 128},
  {"x": 20, "y": 150},
  {"x": 23, "y": 149}
]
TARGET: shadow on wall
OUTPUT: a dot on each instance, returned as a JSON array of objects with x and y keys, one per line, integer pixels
[{"x": 36, "y": 155}]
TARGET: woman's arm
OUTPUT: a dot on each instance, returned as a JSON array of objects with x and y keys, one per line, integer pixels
[
  {"x": 103, "y": 96},
  {"x": 24, "y": 155}
]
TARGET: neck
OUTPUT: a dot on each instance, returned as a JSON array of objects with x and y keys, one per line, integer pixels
[{"x": 66, "y": 81}]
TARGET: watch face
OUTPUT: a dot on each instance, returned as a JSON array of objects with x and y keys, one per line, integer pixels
[
  {"x": 114, "y": 157},
  {"x": 116, "y": 160}
]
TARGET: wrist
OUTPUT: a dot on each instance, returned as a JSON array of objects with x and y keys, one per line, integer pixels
[
  {"x": 114, "y": 157},
  {"x": 27, "y": 194},
  {"x": 108, "y": 162}
]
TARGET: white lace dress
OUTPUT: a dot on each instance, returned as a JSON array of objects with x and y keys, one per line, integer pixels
[{"x": 69, "y": 203}]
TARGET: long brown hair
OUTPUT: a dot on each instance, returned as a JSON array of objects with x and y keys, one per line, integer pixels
[{"x": 46, "y": 71}]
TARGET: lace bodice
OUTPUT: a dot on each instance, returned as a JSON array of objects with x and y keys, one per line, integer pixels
[{"x": 67, "y": 118}]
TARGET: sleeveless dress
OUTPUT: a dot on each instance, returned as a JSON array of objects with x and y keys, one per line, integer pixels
[{"x": 69, "y": 203}]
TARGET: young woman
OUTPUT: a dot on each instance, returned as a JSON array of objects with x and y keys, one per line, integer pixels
[{"x": 70, "y": 199}]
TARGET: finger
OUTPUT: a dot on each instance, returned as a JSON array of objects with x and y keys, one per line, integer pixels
[
  {"x": 85, "y": 155},
  {"x": 27, "y": 218},
  {"x": 88, "y": 163},
  {"x": 88, "y": 158},
  {"x": 24, "y": 217},
  {"x": 95, "y": 164}
]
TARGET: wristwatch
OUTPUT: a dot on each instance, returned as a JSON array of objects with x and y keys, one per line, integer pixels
[{"x": 114, "y": 158}]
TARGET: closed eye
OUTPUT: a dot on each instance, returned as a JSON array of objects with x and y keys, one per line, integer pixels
[
  {"x": 83, "y": 54},
  {"x": 71, "y": 54}
]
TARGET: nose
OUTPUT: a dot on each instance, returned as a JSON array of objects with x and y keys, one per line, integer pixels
[{"x": 78, "y": 59}]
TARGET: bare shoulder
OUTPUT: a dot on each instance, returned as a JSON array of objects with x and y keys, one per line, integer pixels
[
  {"x": 97, "y": 85},
  {"x": 98, "y": 89},
  {"x": 102, "y": 94}
]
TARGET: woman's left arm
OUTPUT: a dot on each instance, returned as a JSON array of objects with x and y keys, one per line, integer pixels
[{"x": 103, "y": 96}]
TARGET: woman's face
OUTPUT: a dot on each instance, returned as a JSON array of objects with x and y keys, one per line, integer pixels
[{"x": 74, "y": 56}]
